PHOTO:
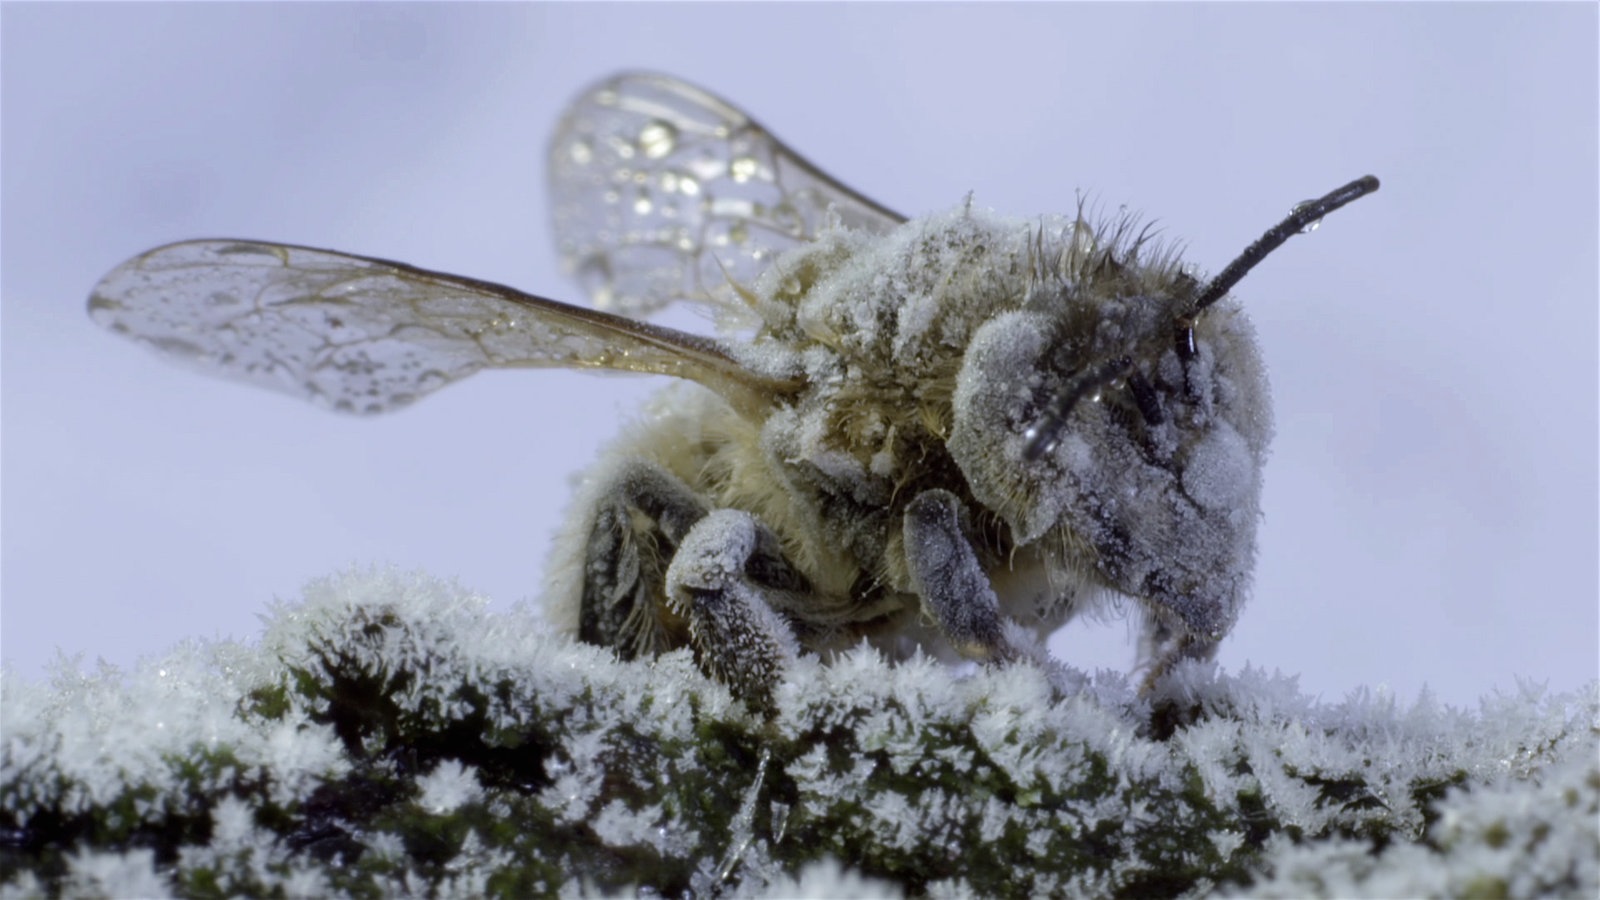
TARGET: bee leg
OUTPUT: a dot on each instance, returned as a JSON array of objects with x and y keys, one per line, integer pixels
[
  {"x": 946, "y": 573},
  {"x": 1165, "y": 645},
  {"x": 643, "y": 515},
  {"x": 722, "y": 578}
]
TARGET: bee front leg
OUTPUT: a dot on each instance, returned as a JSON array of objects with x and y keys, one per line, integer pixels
[
  {"x": 1164, "y": 646},
  {"x": 946, "y": 573},
  {"x": 724, "y": 579}
]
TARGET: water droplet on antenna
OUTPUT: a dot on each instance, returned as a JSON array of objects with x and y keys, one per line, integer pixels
[{"x": 1312, "y": 225}]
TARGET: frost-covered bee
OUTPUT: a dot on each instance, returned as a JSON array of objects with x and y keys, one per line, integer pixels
[{"x": 928, "y": 432}]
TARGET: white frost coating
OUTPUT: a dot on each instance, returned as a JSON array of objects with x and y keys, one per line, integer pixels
[
  {"x": 577, "y": 775},
  {"x": 715, "y": 551},
  {"x": 1220, "y": 474},
  {"x": 828, "y": 878},
  {"x": 233, "y": 826},
  {"x": 130, "y": 874},
  {"x": 1497, "y": 838},
  {"x": 82, "y": 732},
  {"x": 448, "y": 787},
  {"x": 297, "y": 747},
  {"x": 997, "y": 768},
  {"x": 618, "y": 826},
  {"x": 387, "y": 846}
]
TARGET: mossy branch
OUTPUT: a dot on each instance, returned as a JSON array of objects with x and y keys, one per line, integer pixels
[{"x": 390, "y": 735}]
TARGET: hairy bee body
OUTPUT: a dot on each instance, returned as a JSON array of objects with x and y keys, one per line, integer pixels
[
  {"x": 920, "y": 352},
  {"x": 928, "y": 433}
]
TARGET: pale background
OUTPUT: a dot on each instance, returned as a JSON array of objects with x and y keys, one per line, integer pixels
[{"x": 1431, "y": 500}]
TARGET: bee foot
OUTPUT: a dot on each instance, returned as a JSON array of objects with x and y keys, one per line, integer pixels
[
  {"x": 946, "y": 573},
  {"x": 737, "y": 637}
]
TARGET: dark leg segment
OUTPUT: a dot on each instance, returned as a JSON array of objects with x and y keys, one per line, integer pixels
[
  {"x": 663, "y": 570},
  {"x": 947, "y": 575},
  {"x": 738, "y": 638},
  {"x": 1165, "y": 646},
  {"x": 641, "y": 519}
]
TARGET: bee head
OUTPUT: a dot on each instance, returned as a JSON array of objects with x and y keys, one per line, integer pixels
[
  {"x": 1124, "y": 408},
  {"x": 1044, "y": 433}
]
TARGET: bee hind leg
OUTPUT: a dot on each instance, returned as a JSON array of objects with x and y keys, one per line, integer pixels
[
  {"x": 642, "y": 515},
  {"x": 725, "y": 579},
  {"x": 662, "y": 569}
]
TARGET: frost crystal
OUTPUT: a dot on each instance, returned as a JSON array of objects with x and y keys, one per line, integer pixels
[
  {"x": 447, "y": 788},
  {"x": 392, "y": 736}
]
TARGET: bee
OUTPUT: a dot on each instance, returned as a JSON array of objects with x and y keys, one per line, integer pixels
[{"x": 937, "y": 432}]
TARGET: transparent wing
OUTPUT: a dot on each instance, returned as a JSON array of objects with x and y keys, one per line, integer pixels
[
  {"x": 366, "y": 335},
  {"x": 662, "y": 191}
]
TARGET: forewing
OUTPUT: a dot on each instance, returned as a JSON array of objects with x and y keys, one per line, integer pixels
[
  {"x": 662, "y": 191},
  {"x": 367, "y": 335}
]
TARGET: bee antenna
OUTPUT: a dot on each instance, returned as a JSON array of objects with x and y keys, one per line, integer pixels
[
  {"x": 1303, "y": 217},
  {"x": 1042, "y": 435}
]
